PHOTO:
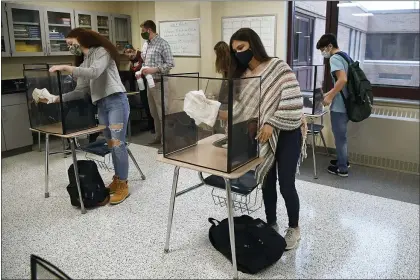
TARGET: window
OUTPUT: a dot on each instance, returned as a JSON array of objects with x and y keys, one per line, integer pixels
[
  {"x": 384, "y": 37},
  {"x": 397, "y": 46}
]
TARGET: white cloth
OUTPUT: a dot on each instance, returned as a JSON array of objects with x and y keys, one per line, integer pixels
[
  {"x": 201, "y": 109},
  {"x": 43, "y": 94}
]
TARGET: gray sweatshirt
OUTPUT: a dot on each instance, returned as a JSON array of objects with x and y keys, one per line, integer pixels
[{"x": 97, "y": 75}]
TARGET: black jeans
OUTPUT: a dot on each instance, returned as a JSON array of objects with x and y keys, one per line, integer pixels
[{"x": 287, "y": 156}]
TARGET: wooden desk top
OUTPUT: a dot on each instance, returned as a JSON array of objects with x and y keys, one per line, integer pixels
[
  {"x": 56, "y": 130},
  {"x": 205, "y": 154}
]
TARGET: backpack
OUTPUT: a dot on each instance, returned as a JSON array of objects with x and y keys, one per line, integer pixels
[
  {"x": 360, "y": 98},
  {"x": 92, "y": 186},
  {"x": 257, "y": 245}
]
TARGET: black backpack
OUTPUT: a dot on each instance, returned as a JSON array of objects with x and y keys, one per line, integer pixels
[
  {"x": 257, "y": 245},
  {"x": 92, "y": 186},
  {"x": 360, "y": 98}
]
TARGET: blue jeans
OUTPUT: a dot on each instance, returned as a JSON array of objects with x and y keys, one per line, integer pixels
[
  {"x": 113, "y": 112},
  {"x": 339, "y": 128}
]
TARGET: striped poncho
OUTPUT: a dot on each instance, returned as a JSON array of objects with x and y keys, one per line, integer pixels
[{"x": 280, "y": 105}]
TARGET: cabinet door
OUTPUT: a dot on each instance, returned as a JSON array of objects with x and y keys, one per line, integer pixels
[
  {"x": 84, "y": 19},
  {"x": 5, "y": 43},
  {"x": 3, "y": 143},
  {"x": 15, "y": 120},
  {"x": 121, "y": 25},
  {"x": 103, "y": 25},
  {"x": 26, "y": 30},
  {"x": 58, "y": 23}
]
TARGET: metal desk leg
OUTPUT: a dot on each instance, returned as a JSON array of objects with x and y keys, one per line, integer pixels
[
  {"x": 39, "y": 141},
  {"x": 64, "y": 147},
  {"x": 135, "y": 163},
  {"x": 231, "y": 227},
  {"x": 171, "y": 208},
  {"x": 76, "y": 174},
  {"x": 313, "y": 150},
  {"x": 47, "y": 153}
]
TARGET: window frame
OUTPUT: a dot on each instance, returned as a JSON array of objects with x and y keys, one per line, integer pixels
[{"x": 331, "y": 26}]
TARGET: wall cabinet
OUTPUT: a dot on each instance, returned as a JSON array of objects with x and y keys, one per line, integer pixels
[
  {"x": 58, "y": 23},
  {"x": 26, "y": 30},
  {"x": 5, "y": 42},
  {"x": 40, "y": 31},
  {"x": 15, "y": 122},
  {"x": 121, "y": 25},
  {"x": 99, "y": 22}
]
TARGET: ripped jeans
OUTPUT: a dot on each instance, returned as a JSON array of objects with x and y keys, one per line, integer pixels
[{"x": 113, "y": 112}]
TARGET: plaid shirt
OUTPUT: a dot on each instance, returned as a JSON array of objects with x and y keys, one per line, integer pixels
[{"x": 158, "y": 54}]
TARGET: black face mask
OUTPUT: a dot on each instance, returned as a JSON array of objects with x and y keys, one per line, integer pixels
[{"x": 244, "y": 57}]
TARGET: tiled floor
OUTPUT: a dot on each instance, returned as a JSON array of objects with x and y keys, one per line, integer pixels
[{"x": 346, "y": 231}]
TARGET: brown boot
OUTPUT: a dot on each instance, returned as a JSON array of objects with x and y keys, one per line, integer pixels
[
  {"x": 121, "y": 192},
  {"x": 113, "y": 186}
]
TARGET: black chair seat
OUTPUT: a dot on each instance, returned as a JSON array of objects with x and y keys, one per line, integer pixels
[
  {"x": 317, "y": 128},
  {"x": 243, "y": 185},
  {"x": 99, "y": 148}
]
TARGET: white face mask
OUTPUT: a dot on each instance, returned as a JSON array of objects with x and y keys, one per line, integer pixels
[{"x": 326, "y": 53}]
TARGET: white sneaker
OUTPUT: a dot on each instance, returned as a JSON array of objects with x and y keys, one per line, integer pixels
[{"x": 292, "y": 237}]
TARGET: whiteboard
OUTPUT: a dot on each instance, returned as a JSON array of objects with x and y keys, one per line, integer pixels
[
  {"x": 264, "y": 26},
  {"x": 182, "y": 35}
]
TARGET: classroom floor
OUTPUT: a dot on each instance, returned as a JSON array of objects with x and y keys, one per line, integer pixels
[{"x": 365, "y": 226}]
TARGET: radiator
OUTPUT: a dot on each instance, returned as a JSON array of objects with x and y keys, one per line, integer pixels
[{"x": 388, "y": 139}]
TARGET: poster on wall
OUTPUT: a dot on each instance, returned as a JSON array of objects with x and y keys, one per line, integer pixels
[
  {"x": 183, "y": 36},
  {"x": 264, "y": 26}
]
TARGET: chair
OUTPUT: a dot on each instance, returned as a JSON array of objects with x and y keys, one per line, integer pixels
[{"x": 42, "y": 269}]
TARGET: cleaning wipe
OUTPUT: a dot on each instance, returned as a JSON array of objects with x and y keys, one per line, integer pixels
[
  {"x": 201, "y": 109},
  {"x": 43, "y": 94}
]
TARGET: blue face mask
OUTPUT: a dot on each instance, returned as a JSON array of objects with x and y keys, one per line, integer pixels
[{"x": 244, "y": 57}]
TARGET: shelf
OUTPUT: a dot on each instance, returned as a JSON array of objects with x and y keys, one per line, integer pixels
[
  {"x": 51, "y": 39},
  {"x": 59, "y": 25},
  {"x": 25, "y": 23},
  {"x": 27, "y": 39},
  {"x": 85, "y": 26},
  {"x": 103, "y": 27}
]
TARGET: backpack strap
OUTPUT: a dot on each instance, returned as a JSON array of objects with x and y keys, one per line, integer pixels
[
  {"x": 349, "y": 61},
  {"x": 214, "y": 222},
  {"x": 346, "y": 57}
]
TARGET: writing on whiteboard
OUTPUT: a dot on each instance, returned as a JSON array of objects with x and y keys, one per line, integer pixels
[
  {"x": 183, "y": 36},
  {"x": 264, "y": 26}
]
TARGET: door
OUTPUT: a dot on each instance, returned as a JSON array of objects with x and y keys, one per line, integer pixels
[
  {"x": 26, "y": 30},
  {"x": 84, "y": 19},
  {"x": 15, "y": 125},
  {"x": 103, "y": 25},
  {"x": 121, "y": 28},
  {"x": 303, "y": 50},
  {"x": 5, "y": 43},
  {"x": 58, "y": 23}
]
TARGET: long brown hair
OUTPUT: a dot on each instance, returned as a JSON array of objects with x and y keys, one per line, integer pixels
[
  {"x": 222, "y": 58},
  {"x": 88, "y": 39}
]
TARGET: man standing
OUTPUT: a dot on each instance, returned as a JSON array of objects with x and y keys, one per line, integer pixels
[
  {"x": 159, "y": 60},
  {"x": 328, "y": 46},
  {"x": 136, "y": 62}
]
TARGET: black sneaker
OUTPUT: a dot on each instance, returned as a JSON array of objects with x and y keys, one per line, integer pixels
[
  {"x": 334, "y": 170},
  {"x": 334, "y": 163}
]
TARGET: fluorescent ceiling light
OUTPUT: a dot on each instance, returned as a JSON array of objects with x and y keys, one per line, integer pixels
[
  {"x": 363, "y": 15},
  {"x": 298, "y": 32},
  {"x": 344, "y": 5}
]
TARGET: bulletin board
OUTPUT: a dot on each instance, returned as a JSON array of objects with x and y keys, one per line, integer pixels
[
  {"x": 183, "y": 36},
  {"x": 263, "y": 25}
]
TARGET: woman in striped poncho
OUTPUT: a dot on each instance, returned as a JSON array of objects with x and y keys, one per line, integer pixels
[{"x": 282, "y": 129}]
